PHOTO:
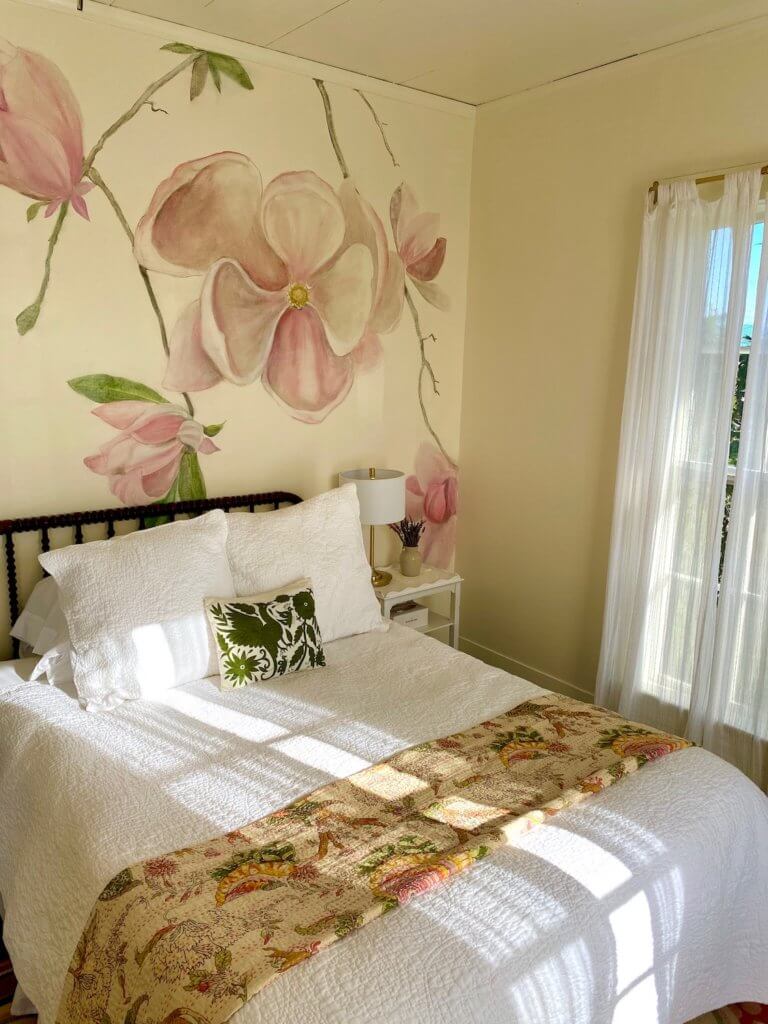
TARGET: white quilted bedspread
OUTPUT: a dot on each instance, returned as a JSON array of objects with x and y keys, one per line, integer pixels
[{"x": 646, "y": 905}]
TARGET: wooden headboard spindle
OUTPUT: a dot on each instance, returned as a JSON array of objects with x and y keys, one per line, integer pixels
[{"x": 109, "y": 516}]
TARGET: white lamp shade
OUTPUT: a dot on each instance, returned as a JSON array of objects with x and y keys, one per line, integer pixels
[{"x": 381, "y": 497}]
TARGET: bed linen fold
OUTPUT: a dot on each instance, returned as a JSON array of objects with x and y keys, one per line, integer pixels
[{"x": 195, "y": 933}]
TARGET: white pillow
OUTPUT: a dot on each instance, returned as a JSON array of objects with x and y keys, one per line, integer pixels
[
  {"x": 134, "y": 607},
  {"x": 319, "y": 539},
  {"x": 42, "y": 629},
  {"x": 56, "y": 664},
  {"x": 34, "y": 625}
]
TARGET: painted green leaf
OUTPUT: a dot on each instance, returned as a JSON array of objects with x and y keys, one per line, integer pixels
[
  {"x": 213, "y": 429},
  {"x": 180, "y": 48},
  {"x": 33, "y": 210},
  {"x": 199, "y": 76},
  {"x": 27, "y": 318},
  {"x": 172, "y": 495},
  {"x": 190, "y": 481},
  {"x": 215, "y": 74},
  {"x": 103, "y": 387},
  {"x": 231, "y": 68}
]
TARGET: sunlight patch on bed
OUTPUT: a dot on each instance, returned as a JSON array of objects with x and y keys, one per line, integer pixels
[
  {"x": 143, "y": 745},
  {"x": 543, "y": 993},
  {"x": 497, "y": 931},
  {"x": 292, "y": 712},
  {"x": 591, "y": 865},
  {"x": 226, "y": 795},
  {"x": 632, "y": 929},
  {"x": 362, "y": 738},
  {"x": 385, "y": 781},
  {"x": 635, "y": 844},
  {"x": 323, "y": 756},
  {"x": 465, "y": 814},
  {"x": 640, "y": 1003},
  {"x": 667, "y": 898},
  {"x": 154, "y": 659},
  {"x": 220, "y": 716}
]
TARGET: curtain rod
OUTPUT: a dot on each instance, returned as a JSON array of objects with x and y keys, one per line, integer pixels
[{"x": 653, "y": 188}]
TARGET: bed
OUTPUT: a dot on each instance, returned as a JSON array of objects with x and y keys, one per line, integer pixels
[{"x": 645, "y": 905}]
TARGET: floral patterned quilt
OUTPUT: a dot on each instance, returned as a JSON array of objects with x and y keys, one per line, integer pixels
[{"x": 188, "y": 937}]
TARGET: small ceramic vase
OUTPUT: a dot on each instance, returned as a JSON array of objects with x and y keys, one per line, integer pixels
[{"x": 410, "y": 561}]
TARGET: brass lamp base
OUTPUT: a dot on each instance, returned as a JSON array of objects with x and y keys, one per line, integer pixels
[{"x": 379, "y": 578}]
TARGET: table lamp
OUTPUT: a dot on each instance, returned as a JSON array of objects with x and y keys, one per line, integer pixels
[{"x": 381, "y": 493}]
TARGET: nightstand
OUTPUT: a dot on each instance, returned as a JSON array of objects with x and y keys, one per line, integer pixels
[{"x": 429, "y": 582}]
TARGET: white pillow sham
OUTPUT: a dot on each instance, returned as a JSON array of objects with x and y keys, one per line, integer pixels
[
  {"x": 41, "y": 618},
  {"x": 56, "y": 664},
  {"x": 320, "y": 539},
  {"x": 42, "y": 629},
  {"x": 134, "y": 607}
]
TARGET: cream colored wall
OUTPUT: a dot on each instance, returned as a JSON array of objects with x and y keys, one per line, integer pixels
[
  {"x": 96, "y": 317},
  {"x": 559, "y": 181}
]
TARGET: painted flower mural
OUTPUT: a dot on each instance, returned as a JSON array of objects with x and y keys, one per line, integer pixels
[
  {"x": 298, "y": 281},
  {"x": 432, "y": 494},
  {"x": 41, "y": 133},
  {"x": 421, "y": 248},
  {"x": 143, "y": 461}
]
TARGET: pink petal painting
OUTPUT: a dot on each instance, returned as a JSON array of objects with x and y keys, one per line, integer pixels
[
  {"x": 421, "y": 247},
  {"x": 142, "y": 461},
  {"x": 298, "y": 280},
  {"x": 432, "y": 494},
  {"x": 41, "y": 133}
]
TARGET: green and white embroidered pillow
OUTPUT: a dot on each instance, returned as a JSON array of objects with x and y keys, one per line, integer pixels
[{"x": 267, "y": 635}]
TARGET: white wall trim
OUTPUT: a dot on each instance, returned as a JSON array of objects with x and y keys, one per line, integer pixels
[
  {"x": 713, "y": 37},
  {"x": 518, "y": 668},
  {"x": 171, "y": 31}
]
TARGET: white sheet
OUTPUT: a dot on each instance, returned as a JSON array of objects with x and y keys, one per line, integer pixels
[{"x": 646, "y": 904}]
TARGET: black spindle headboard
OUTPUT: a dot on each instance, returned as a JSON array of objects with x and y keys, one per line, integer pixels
[{"x": 140, "y": 514}]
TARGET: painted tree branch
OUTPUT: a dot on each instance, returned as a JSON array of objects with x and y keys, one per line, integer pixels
[
  {"x": 99, "y": 182},
  {"x": 379, "y": 125},
  {"x": 425, "y": 368},
  {"x": 331, "y": 127},
  {"x": 27, "y": 319},
  {"x": 133, "y": 110}
]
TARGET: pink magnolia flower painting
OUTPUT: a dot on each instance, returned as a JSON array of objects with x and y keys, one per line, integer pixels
[
  {"x": 432, "y": 494},
  {"x": 142, "y": 462},
  {"x": 41, "y": 133},
  {"x": 298, "y": 281},
  {"x": 419, "y": 244}
]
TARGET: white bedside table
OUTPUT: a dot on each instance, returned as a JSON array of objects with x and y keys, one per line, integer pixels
[{"x": 429, "y": 582}]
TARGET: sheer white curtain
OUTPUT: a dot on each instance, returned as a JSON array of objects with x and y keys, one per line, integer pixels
[
  {"x": 659, "y": 635},
  {"x": 730, "y": 703}
]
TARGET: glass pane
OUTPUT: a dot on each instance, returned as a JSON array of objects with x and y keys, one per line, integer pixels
[{"x": 741, "y": 375}]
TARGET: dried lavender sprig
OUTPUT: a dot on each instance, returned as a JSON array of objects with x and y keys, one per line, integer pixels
[{"x": 409, "y": 531}]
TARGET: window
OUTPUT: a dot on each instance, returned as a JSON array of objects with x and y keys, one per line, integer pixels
[{"x": 741, "y": 379}]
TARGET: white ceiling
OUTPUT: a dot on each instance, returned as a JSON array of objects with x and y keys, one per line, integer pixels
[{"x": 470, "y": 50}]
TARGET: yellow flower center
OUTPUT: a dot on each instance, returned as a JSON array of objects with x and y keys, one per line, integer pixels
[{"x": 298, "y": 295}]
